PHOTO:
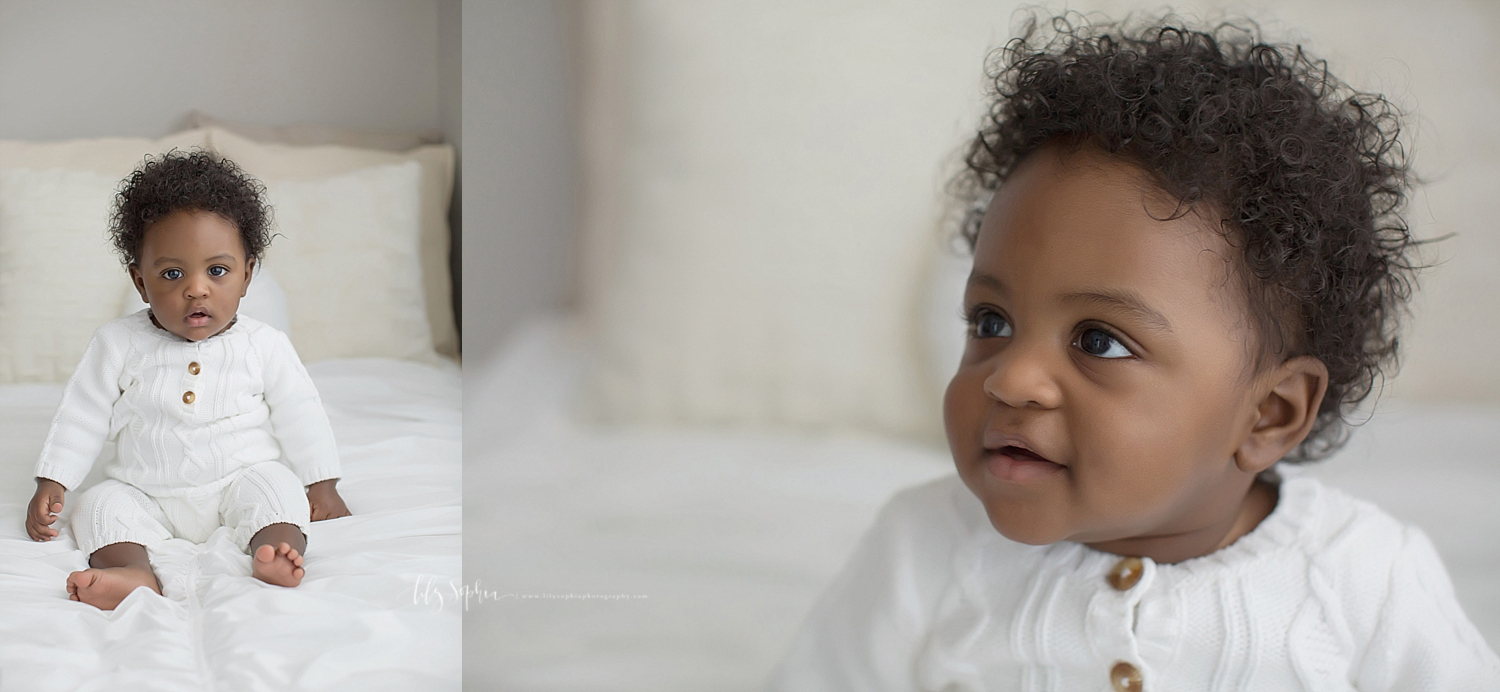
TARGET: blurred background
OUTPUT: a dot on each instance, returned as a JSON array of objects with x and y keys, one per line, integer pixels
[{"x": 712, "y": 298}]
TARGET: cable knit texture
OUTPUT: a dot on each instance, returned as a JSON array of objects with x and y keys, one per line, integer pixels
[
  {"x": 1328, "y": 593},
  {"x": 251, "y": 401}
]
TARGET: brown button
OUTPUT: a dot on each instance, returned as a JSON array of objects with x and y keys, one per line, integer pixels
[
  {"x": 1126, "y": 573},
  {"x": 1125, "y": 677},
  {"x": 193, "y": 368},
  {"x": 187, "y": 397}
]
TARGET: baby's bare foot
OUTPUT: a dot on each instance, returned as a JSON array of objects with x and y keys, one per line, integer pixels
[
  {"x": 104, "y": 588},
  {"x": 281, "y": 565}
]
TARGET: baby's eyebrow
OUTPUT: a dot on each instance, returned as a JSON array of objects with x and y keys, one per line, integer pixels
[
  {"x": 161, "y": 260},
  {"x": 1124, "y": 300}
]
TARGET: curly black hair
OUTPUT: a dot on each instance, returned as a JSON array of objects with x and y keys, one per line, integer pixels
[
  {"x": 189, "y": 181},
  {"x": 1307, "y": 176}
]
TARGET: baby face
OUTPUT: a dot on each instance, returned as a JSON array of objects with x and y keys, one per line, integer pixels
[
  {"x": 1106, "y": 382},
  {"x": 193, "y": 271}
]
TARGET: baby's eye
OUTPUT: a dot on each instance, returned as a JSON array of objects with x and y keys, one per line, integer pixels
[
  {"x": 218, "y": 270},
  {"x": 988, "y": 324},
  {"x": 1102, "y": 344},
  {"x": 172, "y": 274}
]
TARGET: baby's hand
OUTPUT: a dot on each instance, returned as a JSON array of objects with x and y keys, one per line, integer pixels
[
  {"x": 325, "y": 501},
  {"x": 46, "y": 504}
]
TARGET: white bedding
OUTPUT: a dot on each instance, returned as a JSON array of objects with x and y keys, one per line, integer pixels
[
  {"x": 366, "y": 616},
  {"x": 729, "y": 536}
]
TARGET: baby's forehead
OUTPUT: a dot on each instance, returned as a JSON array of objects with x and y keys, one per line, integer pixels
[
  {"x": 1071, "y": 221},
  {"x": 192, "y": 227}
]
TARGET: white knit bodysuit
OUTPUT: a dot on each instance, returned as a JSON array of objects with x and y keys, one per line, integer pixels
[
  {"x": 1327, "y": 594},
  {"x": 205, "y": 430}
]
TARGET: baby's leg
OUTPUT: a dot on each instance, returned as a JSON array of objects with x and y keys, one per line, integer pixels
[
  {"x": 267, "y": 508},
  {"x": 116, "y": 570},
  {"x": 276, "y": 554},
  {"x": 113, "y": 522}
]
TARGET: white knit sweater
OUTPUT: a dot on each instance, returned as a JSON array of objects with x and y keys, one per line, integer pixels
[
  {"x": 251, "y": 401},
  {"x": 1327, "y": 593}
]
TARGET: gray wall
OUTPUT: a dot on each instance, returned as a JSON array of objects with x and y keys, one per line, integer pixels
[
  {"x": 78, "y": 68},
  {"x": 520, "y": 166},
  {"x": 451, "y": 112}
]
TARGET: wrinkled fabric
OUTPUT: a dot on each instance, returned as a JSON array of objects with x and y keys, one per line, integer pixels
[{"x": 378, "y": 609}]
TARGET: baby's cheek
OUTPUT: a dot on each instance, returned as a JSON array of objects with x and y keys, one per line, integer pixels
[
  {"x": 963, "y": 409},
  {"x": 1127, "y": 462}
]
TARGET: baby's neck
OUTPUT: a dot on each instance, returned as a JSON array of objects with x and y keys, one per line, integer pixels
[{"x": 1170, "y": 548}]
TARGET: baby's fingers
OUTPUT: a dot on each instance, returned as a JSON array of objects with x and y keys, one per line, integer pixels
[{"x": 38, "y": 531}]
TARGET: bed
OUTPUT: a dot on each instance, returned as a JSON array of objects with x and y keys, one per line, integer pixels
[
  {"x": 374, "y": 613},
  {"x": 378, "y": 608},
  {"x": 658, "y": 558}
]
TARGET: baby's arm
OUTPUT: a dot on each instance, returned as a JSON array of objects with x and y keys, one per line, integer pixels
[
  {"x": 863, "y": 634},
  {"x": 78, "y": 431},
  {"x": 302, "y": 428},
  {"x": 1423, "y": 640}
]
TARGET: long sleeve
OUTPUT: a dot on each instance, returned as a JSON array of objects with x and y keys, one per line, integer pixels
[
  {"x": 297, "y": 417},
  {"x": 864, "y": 631},
  {"x": 1423, "y": 640},
  {"x": 81, "y": 425}
]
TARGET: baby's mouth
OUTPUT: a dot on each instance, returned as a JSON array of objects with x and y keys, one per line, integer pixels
[
  {"x": 1022, "y": 454},
  {"x": 198, "y": 318}
]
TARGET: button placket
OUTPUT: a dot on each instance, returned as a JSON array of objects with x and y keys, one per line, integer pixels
[
  {"x": 190, "y": 381},
  {"x": 1128, "y": 580}
]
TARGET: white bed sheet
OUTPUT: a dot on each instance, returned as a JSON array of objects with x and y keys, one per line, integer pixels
[
  {"x": 729, "y": 536},
  {"x": 366, "y": 616}
]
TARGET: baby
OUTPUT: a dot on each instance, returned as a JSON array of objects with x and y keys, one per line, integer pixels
[
  {"x": 210, "y": 408},
  {"x": 1188, "y": 265}
]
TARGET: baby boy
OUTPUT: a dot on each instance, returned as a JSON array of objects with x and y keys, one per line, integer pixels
[{"x": 217, "y": 423}]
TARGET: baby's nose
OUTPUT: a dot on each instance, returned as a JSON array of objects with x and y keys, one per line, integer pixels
[
  {"x": 1022, "y": 376},
  {"x": 196, "y": 289}
]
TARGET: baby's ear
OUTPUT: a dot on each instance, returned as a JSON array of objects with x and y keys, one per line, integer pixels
[
  {"x": 249, "y": 274},
  {"x": 139, "y": 280},
  {"x": 1291, "y": 395}
]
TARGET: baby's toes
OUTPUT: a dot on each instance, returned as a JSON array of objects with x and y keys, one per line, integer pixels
[
  {"x": 265, "y": 553},
  {"x": 80, "y": 580}
]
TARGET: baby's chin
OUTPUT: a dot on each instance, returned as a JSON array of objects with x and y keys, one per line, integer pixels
[
  {"x": 1030, "y": 532},
  {"x": 1021, "y": 521}
]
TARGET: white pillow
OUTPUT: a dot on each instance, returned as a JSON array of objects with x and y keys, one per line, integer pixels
[
  {"x": 59, "y": 276},
  {"x": 311, "y": 135},
  {"x": 264, "y": 301},
  {"x": 763, "y": 206},
  {"x": 110, "y": 156},
  {"x": 276, "y": 163},
  {"x": 346, "y": 256}
]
